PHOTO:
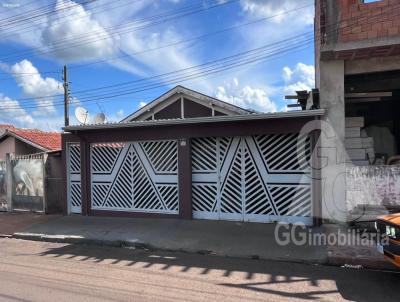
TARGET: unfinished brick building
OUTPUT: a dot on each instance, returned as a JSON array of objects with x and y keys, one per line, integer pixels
[{"x": 357, "y": 52}]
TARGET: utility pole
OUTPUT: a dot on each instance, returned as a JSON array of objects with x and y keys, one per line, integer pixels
[{"x": 66, "y": 96}]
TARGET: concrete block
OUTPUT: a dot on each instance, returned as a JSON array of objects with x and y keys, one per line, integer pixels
[
  {"x": 360, "y": 163},
  {"x": 352, "y": 132},
  {"x": 357, "y": 154},
  {"x": 353, "y": 143},
  {"x": 367, "y": 142},
  {"x": 356, "y": 121}
]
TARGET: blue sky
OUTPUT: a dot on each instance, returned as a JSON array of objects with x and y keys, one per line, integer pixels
[{"x": 109, "y": 42}]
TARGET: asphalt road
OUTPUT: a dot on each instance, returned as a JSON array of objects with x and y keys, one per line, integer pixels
[{"x": 38, "y": 271}]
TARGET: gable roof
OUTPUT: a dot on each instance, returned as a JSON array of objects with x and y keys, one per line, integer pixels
[
  {"x": 191, "y": 95},
  {"x": 45, "y": 141}
]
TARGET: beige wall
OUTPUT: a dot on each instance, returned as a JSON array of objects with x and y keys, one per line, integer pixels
[
  {"x": 13, "y": 145},
  {"x": 7, "y": 146},
  {"x": 24, "y": 148}
]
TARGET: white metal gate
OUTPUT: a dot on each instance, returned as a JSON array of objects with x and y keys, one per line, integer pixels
[
  {"x": 135, "y": 176},
  {"x": 253, "y": 178},
  {"x": 74, "y": 178}
]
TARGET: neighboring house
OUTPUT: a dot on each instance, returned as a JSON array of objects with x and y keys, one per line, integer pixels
[
  {"x": 357, "y": 54},
  {"x": 191, "y": 156},
  {"x": 35, "y": 178},
  {"x": 20, "y": 141}
]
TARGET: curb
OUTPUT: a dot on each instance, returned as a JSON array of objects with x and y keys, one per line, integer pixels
[
  {"x": 361, "y": 263},
  {"x": 145, "y": 246},
  {"x": 79, "y": 240},
  {"x": 338, "y": 261}
]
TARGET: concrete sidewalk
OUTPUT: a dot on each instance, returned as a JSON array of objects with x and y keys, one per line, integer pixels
[
  {"x": 253, "y": 240},
  {"x": 248, "y": 240},
  {"x": 11, "y": 223}
]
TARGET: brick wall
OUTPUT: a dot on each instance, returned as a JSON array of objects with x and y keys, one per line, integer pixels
[{"x": 361, "y": 21}]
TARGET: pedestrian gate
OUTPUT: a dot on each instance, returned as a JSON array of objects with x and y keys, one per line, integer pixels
[
  {"x": 74, "y": 178},
  {"x": 135, "y": 176},
  {"x": 254, "y": 178}
]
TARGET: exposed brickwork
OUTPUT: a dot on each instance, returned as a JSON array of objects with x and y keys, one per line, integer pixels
[{"x": 360, "y": 21}]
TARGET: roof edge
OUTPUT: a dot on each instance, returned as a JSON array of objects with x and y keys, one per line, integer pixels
[
  {"x": 13, "y": 134},
  {"x": 180, "y": 89},
  {"x": 199, "y": 120}
]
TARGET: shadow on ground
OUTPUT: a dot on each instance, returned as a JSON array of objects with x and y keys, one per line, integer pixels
[{"x": 355, "y": 285}]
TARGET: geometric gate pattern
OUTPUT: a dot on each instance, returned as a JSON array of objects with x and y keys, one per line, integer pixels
[
  {"x": 135, "y": 176},
  {"x": 254, "y": 178},
  {"x": 74, "y": 178}
]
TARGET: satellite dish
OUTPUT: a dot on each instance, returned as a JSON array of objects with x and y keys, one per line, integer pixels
[
  {"x": 99, "y": 118},
  {"x": 82, "y": 115}
]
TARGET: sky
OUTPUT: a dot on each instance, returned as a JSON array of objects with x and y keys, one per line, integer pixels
[{"x": 122, "y": 54}]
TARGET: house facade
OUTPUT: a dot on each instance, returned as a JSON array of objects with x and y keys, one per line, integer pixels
[
  {"x": 21, "y": 141},
  {"x": 187, "y": 155},
  {"x": 191, "y": 156},
  {"x": 30, "y": 170}
]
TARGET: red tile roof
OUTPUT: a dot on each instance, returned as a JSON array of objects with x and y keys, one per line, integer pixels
[
  {"x": 6, "y": 126},
  {"x": 48, "y": 140}
]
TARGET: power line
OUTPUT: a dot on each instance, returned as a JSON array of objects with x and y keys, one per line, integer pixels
[
  {"x": 92, "y": 10},
  {"x": 77, "y": 42},
  {"x": 178, "y": 42},
  {"x": 203, "y": 73},
  {"x": 42, "y": 13},
  {"x": 209, "y": 70},
  {"x": 190, "y": 39},
  {"x": 188, "y": 69}
]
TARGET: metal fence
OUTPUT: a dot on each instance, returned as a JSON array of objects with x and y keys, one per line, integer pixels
[{"x": 28, "y": 184}]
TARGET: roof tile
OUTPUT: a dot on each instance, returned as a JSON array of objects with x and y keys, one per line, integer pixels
[{"x": 48, "y": 140}]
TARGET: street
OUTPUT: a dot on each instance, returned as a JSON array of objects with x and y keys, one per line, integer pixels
[{"x": 40, "y": 271}]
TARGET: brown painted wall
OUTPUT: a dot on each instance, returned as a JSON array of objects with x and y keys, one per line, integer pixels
[
  {"x": 24, "y": 148},
  {"x": 193, "y": 109},
  {"x": 169, "y": 112},
  {"x": 54, "y": 183},
  {"x": 12, "y": 145}
]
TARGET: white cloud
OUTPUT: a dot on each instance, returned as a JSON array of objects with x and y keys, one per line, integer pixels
[
  {"x": 34, "y": 85},
  {"x": 246, "y": 97},
  {"x": 160, "y": 59},
  {"x": 301, "y": 77},
  {"x": 266, "y": 8},
  {"x": 287, "y": 73},
  {"x": 142, "y": 104},
  {"x": 11, "y": 112},
  {"x": 120, "y": 113},
  {"x": 74, "y": 27}
]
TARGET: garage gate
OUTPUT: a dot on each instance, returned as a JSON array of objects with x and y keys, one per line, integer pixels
[
  {"x": 74, "y": 178},
  {"x": 253, "y": 178},
  {"x": 135, "y": 177}
]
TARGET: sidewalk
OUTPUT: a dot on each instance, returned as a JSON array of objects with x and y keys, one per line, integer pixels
[
  {"x": 246, "y": 240},
  {"x": 11, "y": 223},
  {"x": 251, "y": 240}
]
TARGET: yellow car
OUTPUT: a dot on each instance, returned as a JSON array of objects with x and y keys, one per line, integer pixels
[{"x": 388, "y": 226}]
